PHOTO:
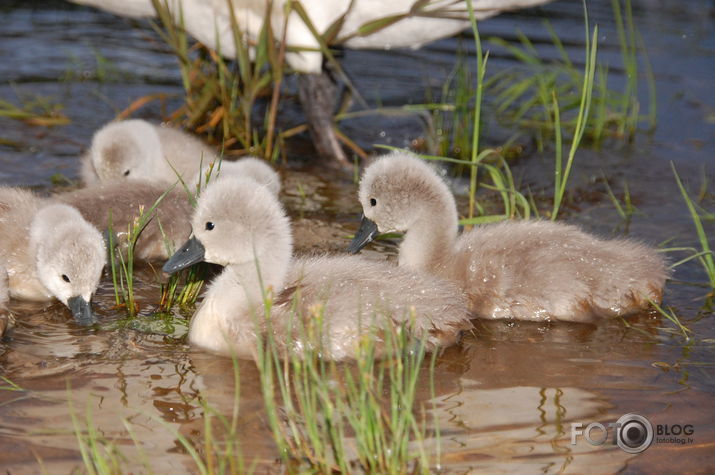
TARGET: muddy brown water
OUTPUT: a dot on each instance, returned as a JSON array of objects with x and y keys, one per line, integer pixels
[{"x": 506, "y": 397}]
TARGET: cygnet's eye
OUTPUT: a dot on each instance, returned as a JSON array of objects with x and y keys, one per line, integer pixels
[
  {"x": 126, "y": 173},
  {"x": 209, "y": 225},
  {"x": 373, "y": 202},
  {"x": 65, "y": 278}
]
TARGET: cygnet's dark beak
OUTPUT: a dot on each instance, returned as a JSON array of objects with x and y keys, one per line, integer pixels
[
  {"x": 81, "y": 310},
  {"x": 190, "y": 253},
  {"x": 366, "y": 233}
]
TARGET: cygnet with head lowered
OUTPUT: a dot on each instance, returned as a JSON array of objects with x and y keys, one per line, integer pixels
[
  {"x": 139, "y": 150},
  {"x": 528, "y": 270},
  {"x": 49, "y": 251},
  {"x": 241, "y": 225},
  {"x": 170, "y": 222}
]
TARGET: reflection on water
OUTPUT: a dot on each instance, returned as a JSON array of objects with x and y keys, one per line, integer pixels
[{"x": 503, "y": 400}]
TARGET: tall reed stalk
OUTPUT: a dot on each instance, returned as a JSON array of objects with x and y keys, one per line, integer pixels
[
  {"x": 481, "y": 70},
  {"x": 561, "y": 172},
  {"x": 705, "y": 255}
]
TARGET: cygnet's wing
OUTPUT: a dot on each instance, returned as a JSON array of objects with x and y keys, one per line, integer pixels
[
  {"x": 356, "y": 296},
  {"x": 540, "y": 270},
  {"x": 125, "y": 201}
]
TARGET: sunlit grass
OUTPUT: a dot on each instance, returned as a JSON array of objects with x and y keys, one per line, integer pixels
[
  {"x": 705, "y": 254},
  {"x": 523, "y": 94},
  {"x": 562, "y": 172},
  {"x": 327, "y": 416},
  {"x": 625, "y": 207},
  {"x": 220, "y": 98},
  {"x": 122, "y": 266},
  {"x": 515, "y": 202},
  {"x": 324, "y": 416},
  {"x": 100, "y": 456},
  {"x": 34, "y": 109}
]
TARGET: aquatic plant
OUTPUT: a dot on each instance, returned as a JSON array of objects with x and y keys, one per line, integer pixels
[
  {"x": 100, "y": 455},
  {"x": 515, "y": 203},
  {"x": 625, "y": 209},
  {"x": 102, "y": 71},
  {"x": 220, "y": 97},
  {"x": 562, "y": 172},
  {"x": 324, "y": 416},
  {"x": 705, "y": 255},
  {"x": 188, "y": 283},
  {"x": 121, "y": 265},
  {"x": 327, "y": 416},
  {"x": 523, "y": 95},
  {"x": 34, "y": 110}
]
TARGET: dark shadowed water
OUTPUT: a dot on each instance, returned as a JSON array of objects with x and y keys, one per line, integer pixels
[{"x": 505, "y": 398}]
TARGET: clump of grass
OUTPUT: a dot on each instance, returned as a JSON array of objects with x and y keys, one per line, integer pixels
[
  {"x": 122, "y": 266},
  {"x": 523, "y": 95},
  {"x": 187, "y": 283},
  {"x": 705, "y": 254},
  {"x": 452, "y": 116},
  {"x": 103, "y": 70},
  {"x": 562, "y": 172},
  {"x": 34, "y": 110},
  {"x": 625, "y": 208},
  {"x": 221, "y": 97},
  {"x": 190, "y": 281},
  {"x": 515, "y": 202},
  {"x": 327, "y": 416}
]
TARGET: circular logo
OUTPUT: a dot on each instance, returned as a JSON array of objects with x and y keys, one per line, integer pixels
[{"x": 634, "y": 433}]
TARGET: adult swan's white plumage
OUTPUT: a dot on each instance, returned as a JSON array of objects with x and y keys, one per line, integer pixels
[
  {"x": 209, "y": 21},
  {"x": 415, "y": 23}
]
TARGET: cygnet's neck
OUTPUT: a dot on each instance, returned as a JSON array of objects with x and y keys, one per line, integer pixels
[
  {"x": 227, "y": 320},
  {"x": 430, "y": 239}
]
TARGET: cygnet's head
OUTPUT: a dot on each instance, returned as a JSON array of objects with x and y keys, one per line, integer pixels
[
  {"x": 395, "y": 191},
  {"x": 237, "y": 221},
  {"x": 126, "y": 150},
  {"x": 70, "y": 255},
  {"x": 250, "y": 167}
]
